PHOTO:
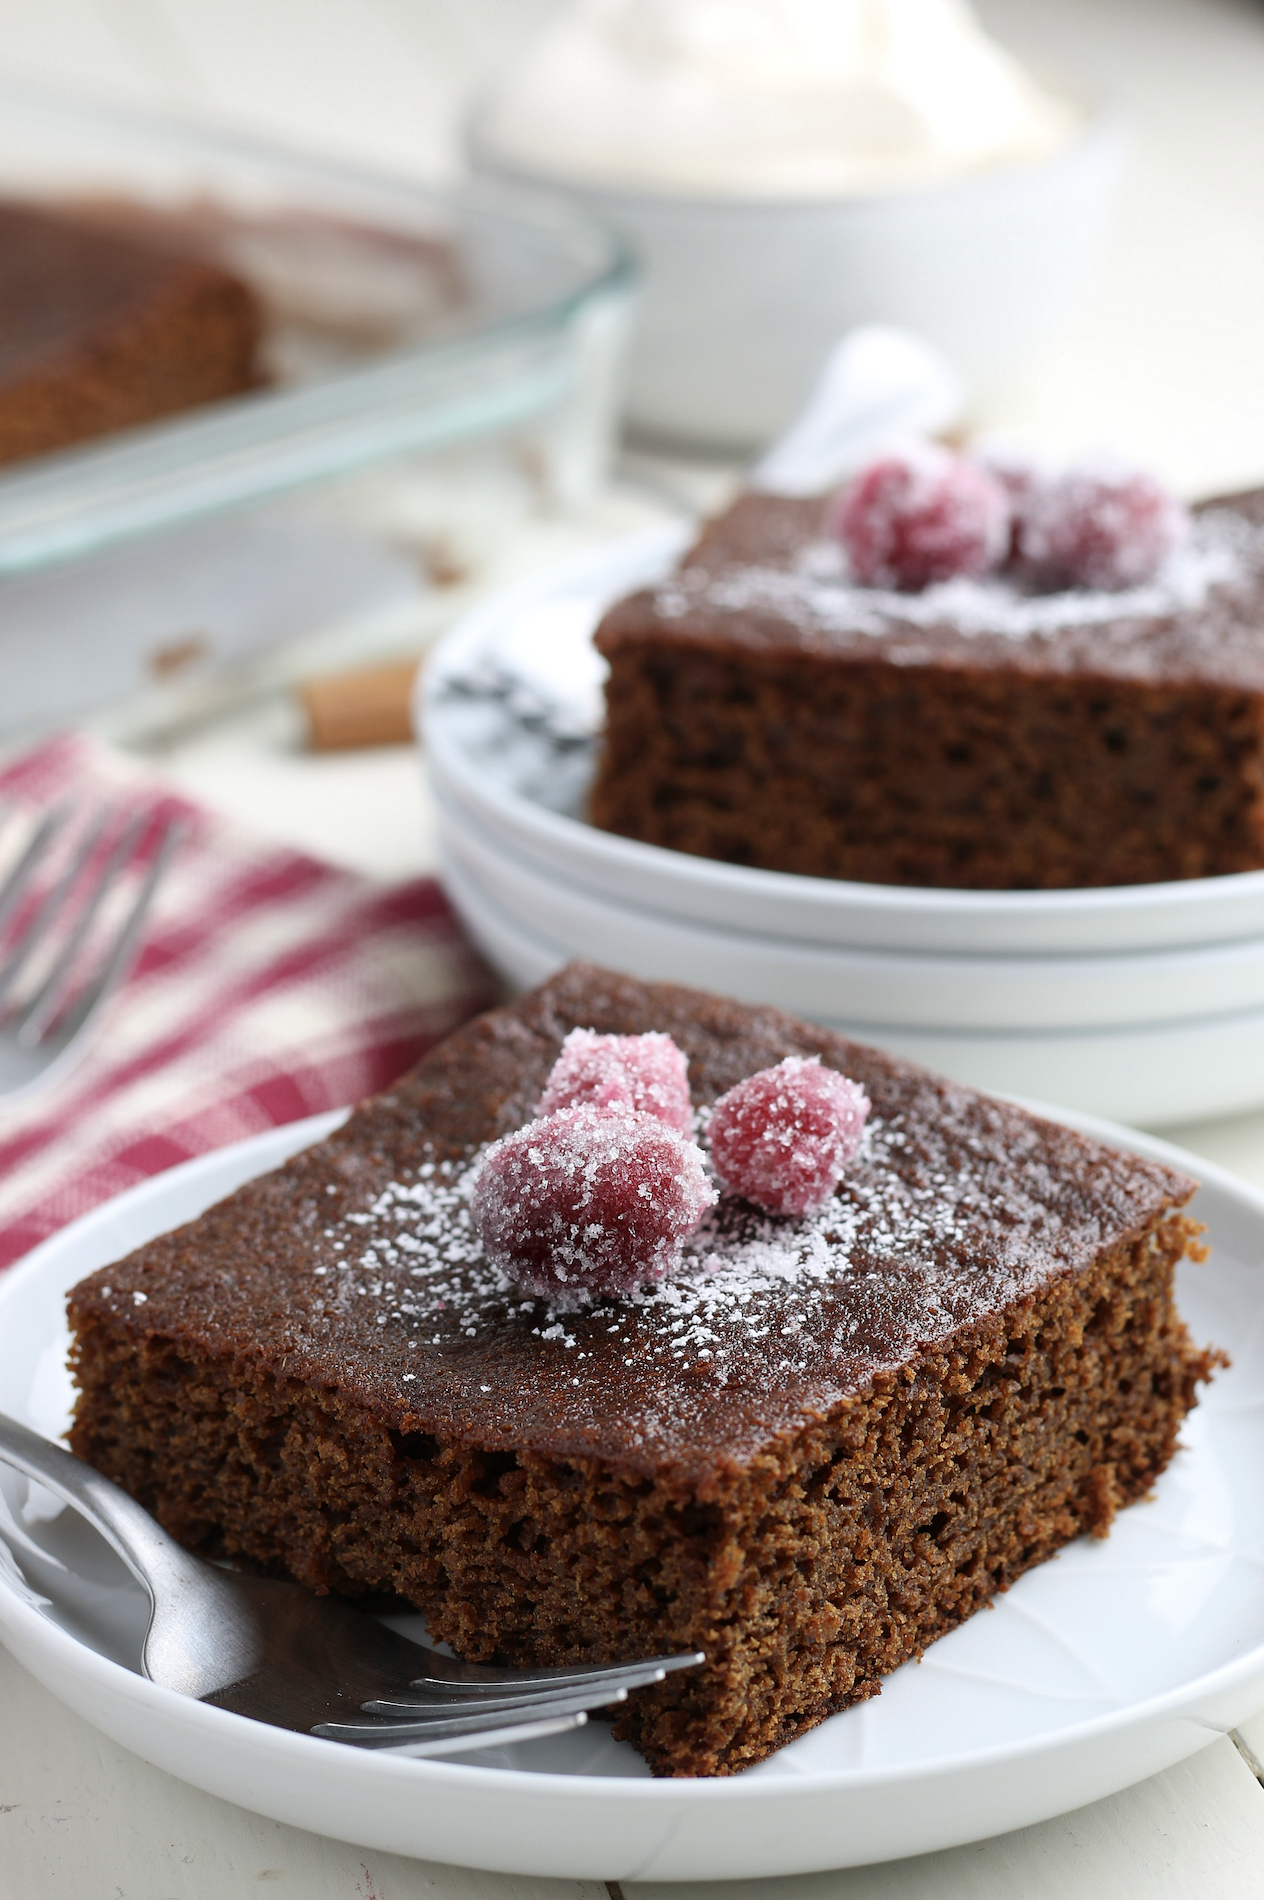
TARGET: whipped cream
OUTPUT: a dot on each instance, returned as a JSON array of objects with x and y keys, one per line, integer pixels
[{"x": 770, "y": 98}]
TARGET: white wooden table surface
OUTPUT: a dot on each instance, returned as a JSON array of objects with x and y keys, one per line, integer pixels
[{"x": 1166, "y": 360}]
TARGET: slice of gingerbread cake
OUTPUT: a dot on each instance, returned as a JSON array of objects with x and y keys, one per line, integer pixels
[
  {"x": 1068, "y": 697},
  {"x": 803, "y": 1404},
  {"x": 101, "y": 330}
]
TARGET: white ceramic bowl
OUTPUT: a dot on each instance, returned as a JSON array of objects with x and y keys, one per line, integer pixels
[
  {"x": 530, "y": 801},
  {"x": 743, "y": 298},
  {"x": 1156, "y": 1074},
  {"x": 871, "y": 990}
]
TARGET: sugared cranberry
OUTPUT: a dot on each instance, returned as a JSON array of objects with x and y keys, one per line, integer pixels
[
  {"x": 589, "y": 1199},
  {"x": 783, "y": 1137},
  {"x": 1101, "y": 527},
  {"x": 920, "y": 516},
  {"x": 648, "y": 1074}
]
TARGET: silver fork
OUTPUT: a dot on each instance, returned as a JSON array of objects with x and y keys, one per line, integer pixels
[
  {"x": 277, "y": 1652},
  {"x": 48, "y": 1029}
]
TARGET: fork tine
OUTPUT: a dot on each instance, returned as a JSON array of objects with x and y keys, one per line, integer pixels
[
  {"x": 470, "y": 1721},
  {"x": 42, "y": 1006},
  {"x": 455, "y": 1695},
  {"x": 428, "y": 1710},
  {"x": 119, "y": 958},
  {"x": 558, "y": 1676},
  {"x": 51, "y": 907},
  {"x": 22, "y": 872},
  {"x": 494, "y": 1738}
]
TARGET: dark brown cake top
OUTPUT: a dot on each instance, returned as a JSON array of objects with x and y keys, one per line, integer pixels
[
  {"x": 357, "y": 1266},
  {"x": 63, "y": 283},
  {"x": 765, "y": 577}
]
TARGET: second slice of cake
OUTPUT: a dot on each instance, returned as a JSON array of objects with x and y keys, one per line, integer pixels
[
  {"x": 814, "y": 1448},
  {"x": 763, "y": 709}
]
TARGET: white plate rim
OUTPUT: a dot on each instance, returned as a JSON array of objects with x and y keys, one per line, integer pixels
[
  {"x": 524, "y": 885},
  {"x": 38, "y": 1633},
  {"x": 1123, "y": 1073}
]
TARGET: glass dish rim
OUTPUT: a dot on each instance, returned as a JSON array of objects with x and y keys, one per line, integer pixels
[{"x": 76, "y": 501}]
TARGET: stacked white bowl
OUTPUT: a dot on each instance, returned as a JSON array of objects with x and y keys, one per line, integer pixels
[{"x": 1143, "y": 1002}]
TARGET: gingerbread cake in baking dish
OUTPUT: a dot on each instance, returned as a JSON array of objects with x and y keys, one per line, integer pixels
[
  {"x": 100, "y": 330},
  {"x": 764, "y": 708},
  {"x": 814, "y": 1447}
]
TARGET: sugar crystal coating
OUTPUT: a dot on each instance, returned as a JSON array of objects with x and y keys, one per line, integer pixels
[
  {"x": 589, "y": 1200},
  {"x": 1101, "y": 527},
  {"x": 920, "y": 516},
  {"x": 783, "y": 1137},
  {"x": 646, "y": 1074}
]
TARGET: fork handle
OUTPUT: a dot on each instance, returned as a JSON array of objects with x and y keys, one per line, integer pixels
[{"x": 144, "y": 1546}]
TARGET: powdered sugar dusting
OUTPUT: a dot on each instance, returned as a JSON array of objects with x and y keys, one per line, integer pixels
[
  {"x": 954, "y": 1208},
  {"x": 903, "y": 1252},
  {"x": 817, "y": 594}
]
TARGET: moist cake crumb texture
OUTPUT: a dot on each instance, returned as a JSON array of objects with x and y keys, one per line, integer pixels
[{"x": 816, "y": 1446}]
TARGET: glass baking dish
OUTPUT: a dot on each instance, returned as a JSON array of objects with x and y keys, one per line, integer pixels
[{"x": 398, "y": 320}]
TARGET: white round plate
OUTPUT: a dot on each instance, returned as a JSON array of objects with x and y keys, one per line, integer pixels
[
  {"x": 875, "y": 988},
  {"x": 1105, "y": 1665},
  {"x": 1159, "y": 1074},
  {"x": 521, "y": 791}
]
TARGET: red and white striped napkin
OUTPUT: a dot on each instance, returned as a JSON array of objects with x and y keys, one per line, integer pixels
[{"x": 270, "y": 986}]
